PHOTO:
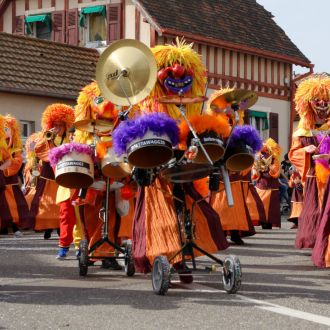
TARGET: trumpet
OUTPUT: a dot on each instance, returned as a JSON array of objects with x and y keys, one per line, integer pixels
[{"x": 50, "y": 134}]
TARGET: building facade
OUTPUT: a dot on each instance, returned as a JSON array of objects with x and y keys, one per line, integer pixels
[{"x": 240, "y": 44}]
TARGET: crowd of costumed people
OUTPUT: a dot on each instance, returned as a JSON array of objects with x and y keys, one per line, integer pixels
[{"x": 153, "y": 189}]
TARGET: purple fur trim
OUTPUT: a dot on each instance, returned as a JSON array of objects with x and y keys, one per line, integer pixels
[
  {"x": 129, "y": 130},
  {"x": 323, "y": 150},
  {"x": 249, "y": 135},
  {"x": 56, "y": 154}
]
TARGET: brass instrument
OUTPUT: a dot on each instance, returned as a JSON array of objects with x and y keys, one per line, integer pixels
[
  {"x": 262, "y": 164},
  {"x": 50, "y": 135}
]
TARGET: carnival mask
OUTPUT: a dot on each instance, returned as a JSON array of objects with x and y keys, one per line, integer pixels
[
  {"x": 103, "y": 108},
  {"x": 176, "y": 79},
  {"x": 320, "y": 107}
]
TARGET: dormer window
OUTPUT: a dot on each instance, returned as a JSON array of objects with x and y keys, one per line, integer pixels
[
  {"x": 39, "y": 26},
  {"x": 93, "y": 20}
]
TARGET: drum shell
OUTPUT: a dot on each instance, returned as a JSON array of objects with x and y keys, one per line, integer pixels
[
  {"x": 114, "y": 167},
  {"x": 239, "y": 157},
  {"x": 150, "y": 151},
  {"x": 75, "y": 170},
  {"x": 212, "y": 143}
]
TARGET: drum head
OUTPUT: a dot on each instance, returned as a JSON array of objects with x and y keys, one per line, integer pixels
[
  {"x": 186, "y": 172},
  {"x": 239, "y": 162},
  {"x": 214, "y": 151}
]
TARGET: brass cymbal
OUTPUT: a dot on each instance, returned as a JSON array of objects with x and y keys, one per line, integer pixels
[
  {"x": 175, "y": 99},
  {"x": 243, "y": 98},
  {"x": 93, "y": 125},
  {"x": 127, "y": 69}
]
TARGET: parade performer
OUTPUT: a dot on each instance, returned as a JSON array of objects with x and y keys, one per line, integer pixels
[
  {"x": 14, "y": 208},
  {"x": 248, "y": 210},
  {"x": 92, "y": 106},
  {"x": 312, "y": 105},
  {"x": 159, "y": 204},
  {"x": 297, "y": 196},
  {"x": 265, "y": 172},
  {"x": 55, "y": 122}
]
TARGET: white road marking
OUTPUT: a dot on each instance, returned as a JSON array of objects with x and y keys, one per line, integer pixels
[{"x": 196, "y": 287}]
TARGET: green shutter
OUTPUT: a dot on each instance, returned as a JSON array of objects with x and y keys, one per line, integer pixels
[
  {"x": 44, "y": 18},
  {"x": 262, "y": 115},
  {"x": 90, "y": 10}
]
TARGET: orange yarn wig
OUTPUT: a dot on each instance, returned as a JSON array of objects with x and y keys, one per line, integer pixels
[
  {"x": 14, "y": 126},
  {"x": 57, "y": 112}
]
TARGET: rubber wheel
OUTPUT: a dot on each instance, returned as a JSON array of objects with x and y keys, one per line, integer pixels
[
  {"x": 129, "y": 261},
  {"x": 161, "y": 275},
  {"x": 232, "y": 274},
  {"x": 83, "y": 258}
]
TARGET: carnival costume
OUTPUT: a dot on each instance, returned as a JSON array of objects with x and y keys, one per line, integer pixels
[
  {"x": 238, "y": 220},
  {"x": 297, "y": 196},
  {"x": 312, "y": 105},
  {"x": 161, "y": 205},
  {"x": 14, "y": 208},
  {"x": 266, "y": 171},
  {"x": 44, "y": 211}
]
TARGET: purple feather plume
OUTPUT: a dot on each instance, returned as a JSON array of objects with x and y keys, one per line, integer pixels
[
  {"x": 129, "y": 130},
  {"x": 324, "y": 149},
  {"x": 247, "y": 134},
  {"x": 56, "y": 154}
]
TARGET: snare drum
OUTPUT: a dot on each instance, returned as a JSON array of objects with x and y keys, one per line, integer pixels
[
  {"x": 146, "y": 140},
  {"x": 74, "y": 166},
  {"x": 211, "y": 130},
  {"x": 179, "y": 170}
]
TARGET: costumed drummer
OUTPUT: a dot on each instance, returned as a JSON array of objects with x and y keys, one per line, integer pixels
[
  {"x": 161, "y": 204},
  {"x": 56, "y": 120},
  {"x": 237, "y": 221},
  {"x": 312, "y": 104}
]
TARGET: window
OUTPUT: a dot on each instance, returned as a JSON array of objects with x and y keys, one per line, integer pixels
[
  {"x": 93, "y": 20},
  {"x": 28, "y": 127},
  {"x": 39, "y": 26},
  {"x": 259, "y": 120}
]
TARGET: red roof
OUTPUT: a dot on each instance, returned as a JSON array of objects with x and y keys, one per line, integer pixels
[
  {"x": 242, "y": 23},
  {"x": 39, "y": 67}
]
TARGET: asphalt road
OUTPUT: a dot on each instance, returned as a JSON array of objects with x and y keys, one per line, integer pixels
[{"x": 281, "y": 289}]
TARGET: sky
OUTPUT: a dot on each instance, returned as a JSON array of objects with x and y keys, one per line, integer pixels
[{"x": 307, "y": 24}]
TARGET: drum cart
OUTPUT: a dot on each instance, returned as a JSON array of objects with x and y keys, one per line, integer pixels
[
  {"x": 162, "y": 270},
  {"x": 120, "y": 252}
]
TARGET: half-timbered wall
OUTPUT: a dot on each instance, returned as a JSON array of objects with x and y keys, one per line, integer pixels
[{"x": 269, "y": 78}]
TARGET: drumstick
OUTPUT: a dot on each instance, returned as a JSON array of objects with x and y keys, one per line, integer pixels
[{"x": 206, "y": 86}]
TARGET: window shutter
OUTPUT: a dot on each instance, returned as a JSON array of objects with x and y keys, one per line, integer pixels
[
  {"x": 58, "y": 26},
  {"x": 19, "y": 27},
  {"x": 114, "y": 12},
  {"x": 273, "y": 126},
  {"x": 72, "y": 27}
]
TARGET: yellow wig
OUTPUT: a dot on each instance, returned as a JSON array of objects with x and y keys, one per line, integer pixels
[
  {"x": 29, "y": 150},
  {"x": 4, "y": 152},
  {"x": 273, "y": 148},
  {"x": 57, "y": 112},
  {"x": 183, "y": 54},
  {"x": 317, "y": 86},
  {"x": 14, "y": 126}
]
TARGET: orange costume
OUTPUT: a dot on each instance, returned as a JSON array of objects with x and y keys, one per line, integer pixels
[
  {"x": 265, "y": 172},
  {"x": 12, "y": 202},
  {"x": 44, "y": 210},
  {"x": 312, "y": 104}
]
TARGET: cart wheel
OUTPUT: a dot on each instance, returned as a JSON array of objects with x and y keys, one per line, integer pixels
[
  {"x": 129, "y": 261},
  {"x": 232, "y": 274},
  {"x": 161, "y": 275},
  {"x": 83, "y": 258}
]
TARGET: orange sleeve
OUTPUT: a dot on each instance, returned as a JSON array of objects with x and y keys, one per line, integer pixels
[
  {"x": 15, "y": 165},
  {"x": 41, "y": 149},
  {"x": 274, "y": 170},
  {"x": 299, "y": 158}
]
